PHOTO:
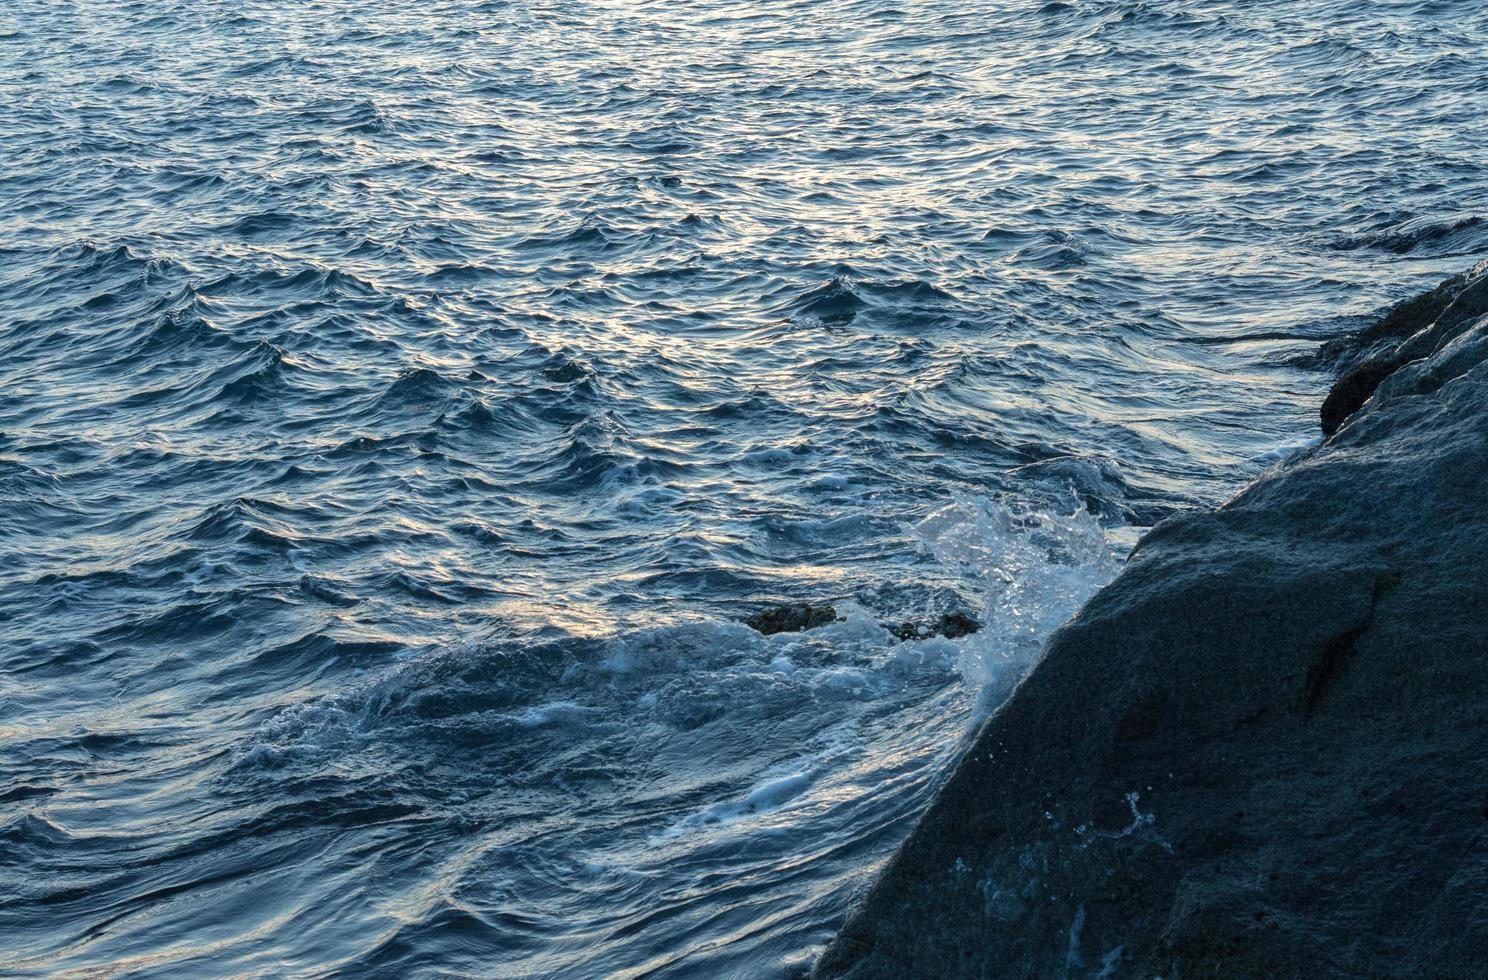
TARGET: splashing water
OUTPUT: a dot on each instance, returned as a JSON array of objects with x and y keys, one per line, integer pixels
[{"x": 1036, "y": 570}]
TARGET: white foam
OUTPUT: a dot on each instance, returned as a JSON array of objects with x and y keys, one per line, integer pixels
[
  {"x": 1289, "y": 449},
  {"x": 554, "y": 713},
  {"x": 768, "y": 795},
  {"x": 1034, "y": 569}
]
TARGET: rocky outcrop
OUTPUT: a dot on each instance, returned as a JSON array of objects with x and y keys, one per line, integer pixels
[
  {"x": 1411, "y": 330},
  {"x": 1262, "y": 751}
]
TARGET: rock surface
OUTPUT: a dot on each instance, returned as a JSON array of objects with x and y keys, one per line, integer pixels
[
  {"x": 1399, "y": 337},
  {"x": 952, "y": 626},
  {"x": 799, "y": 616},
  {"x": 792, "y": 618},
  {"x": 1263, "y": 750}
]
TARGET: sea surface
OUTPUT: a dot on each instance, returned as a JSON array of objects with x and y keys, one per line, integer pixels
[{"x": 401, "y": 404}]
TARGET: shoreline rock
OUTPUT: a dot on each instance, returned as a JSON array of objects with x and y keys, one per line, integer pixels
[
  {"x": 1262, "y": 751},
  {"x": 1409, "y": 330}
]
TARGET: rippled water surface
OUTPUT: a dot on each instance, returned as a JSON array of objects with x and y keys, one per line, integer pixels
[{"x": 401, "y": 403}]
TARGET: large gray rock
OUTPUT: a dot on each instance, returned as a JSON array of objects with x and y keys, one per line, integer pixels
[{"x": 1262, "y": 751}]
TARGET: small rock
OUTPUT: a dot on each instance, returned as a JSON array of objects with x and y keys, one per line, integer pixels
[
  {"x": 792, "y": 618},
  {"x": 952, "y": 626}
]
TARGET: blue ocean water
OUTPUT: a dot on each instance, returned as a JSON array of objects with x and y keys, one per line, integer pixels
[{"x": 400, "y": 404}]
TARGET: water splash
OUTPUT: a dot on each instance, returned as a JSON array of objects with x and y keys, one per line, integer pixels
[{"x": 1034, "y": 570}]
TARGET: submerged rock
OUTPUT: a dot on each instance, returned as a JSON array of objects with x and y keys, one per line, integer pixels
[
  {"x": 952, "y": 626},
  {"x": 1262, "y": 751},
  {"x": 799, "y": 616},
  {"x": 792, "y": 618}
]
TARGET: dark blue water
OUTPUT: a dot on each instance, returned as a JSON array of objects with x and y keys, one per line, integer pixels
[{"x": 400, "y": 403}]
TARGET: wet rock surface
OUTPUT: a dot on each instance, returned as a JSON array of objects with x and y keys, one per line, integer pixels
[
  {"x": 792, "y": 618},
  {"x": 952, "y": 626},
  {"x": 800, "y": 616},
  {"x": 1262, "y": 751}
]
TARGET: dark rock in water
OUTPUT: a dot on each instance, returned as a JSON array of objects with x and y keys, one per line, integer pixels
[
  {"x": 1411, "y": 330},
  {"x": 798, "y": 616},
  {"x": 952, "y": 625},
  {"x": 1262, "y": 751},
  {"x": 791, "y": 618}
]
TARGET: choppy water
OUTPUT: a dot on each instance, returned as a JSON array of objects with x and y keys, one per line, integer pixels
[{"x": 399, "y": 403}]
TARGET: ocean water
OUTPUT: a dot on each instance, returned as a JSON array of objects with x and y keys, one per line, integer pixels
[{"x": 400, "y": 405}]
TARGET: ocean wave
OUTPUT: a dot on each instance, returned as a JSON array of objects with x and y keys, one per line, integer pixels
[{"x": 1462, "y": 235}]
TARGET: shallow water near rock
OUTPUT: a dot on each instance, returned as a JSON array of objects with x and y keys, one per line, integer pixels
[{"x": 400, "y": 409}]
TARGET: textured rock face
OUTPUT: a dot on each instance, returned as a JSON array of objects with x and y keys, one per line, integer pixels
[
  {"x": 1411, "y": 330},
  {"x": 1263, "y": 750}
]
